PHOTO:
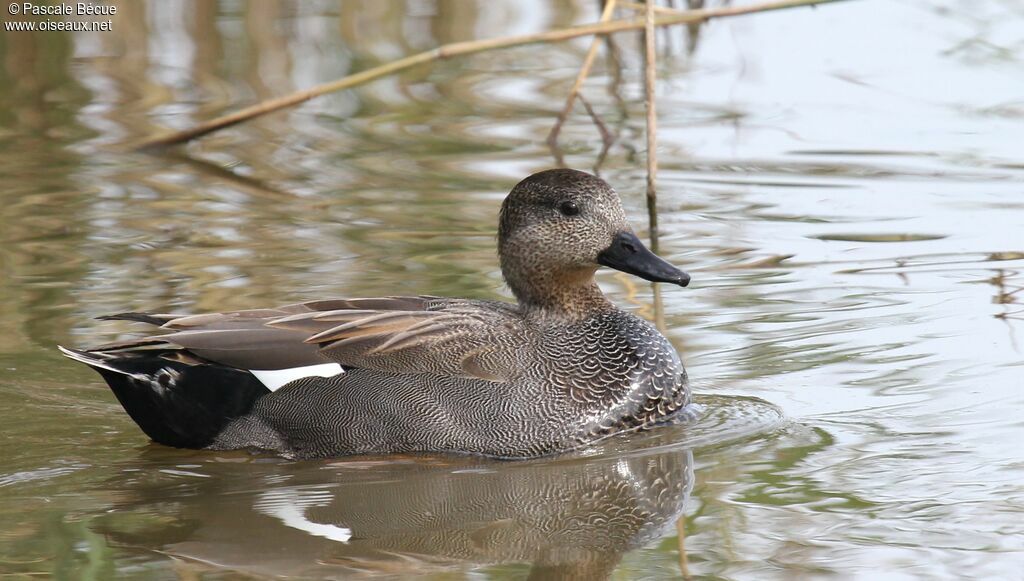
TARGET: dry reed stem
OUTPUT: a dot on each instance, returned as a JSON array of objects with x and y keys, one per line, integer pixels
[
  {"x": 650, "y": 77},
  {"x": 650, "y": 102},
  {"x": 459, "y": 49}
]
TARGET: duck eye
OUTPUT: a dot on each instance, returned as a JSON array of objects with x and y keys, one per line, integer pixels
[{"x": 569, "y": 208}]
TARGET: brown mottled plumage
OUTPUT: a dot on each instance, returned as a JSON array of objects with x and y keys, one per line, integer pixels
[{"x": 562, "y": 368}]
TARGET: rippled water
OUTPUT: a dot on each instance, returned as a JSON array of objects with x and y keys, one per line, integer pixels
[{"x": 846, "y": 185}]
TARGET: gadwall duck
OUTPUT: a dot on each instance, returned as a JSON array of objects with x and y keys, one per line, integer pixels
[{"x": 558, "y": 370}]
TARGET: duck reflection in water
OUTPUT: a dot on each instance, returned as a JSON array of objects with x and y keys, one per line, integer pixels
[{"x": 565, "y": 518}]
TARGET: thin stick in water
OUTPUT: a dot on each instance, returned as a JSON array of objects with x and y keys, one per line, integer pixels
[
  {"x": 650, "y": 102},
  {"x": 684, "y": 565},
  {"x": 650, "y": 77}
]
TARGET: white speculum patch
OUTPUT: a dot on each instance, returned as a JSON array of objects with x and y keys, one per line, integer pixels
[{"x": 274, "y": 379}]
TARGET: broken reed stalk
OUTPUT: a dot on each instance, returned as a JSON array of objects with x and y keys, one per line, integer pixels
[
  {"x": 588, "y": 62},
  {"x": 464, "y": 48}
]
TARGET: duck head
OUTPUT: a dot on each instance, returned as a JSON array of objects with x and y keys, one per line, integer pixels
[{"x": 557, "y": 227}]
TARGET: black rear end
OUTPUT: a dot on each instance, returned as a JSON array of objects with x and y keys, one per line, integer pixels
[{"x": 176, "y": 404}]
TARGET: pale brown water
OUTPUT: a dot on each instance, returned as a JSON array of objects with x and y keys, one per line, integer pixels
[{"x": 845, "y": 184}]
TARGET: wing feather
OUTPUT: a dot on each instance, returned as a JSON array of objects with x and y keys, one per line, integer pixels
[{"x": 401, "y": 335}]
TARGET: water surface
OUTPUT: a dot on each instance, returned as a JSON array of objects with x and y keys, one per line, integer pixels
[{"x": 845, "y": 185}]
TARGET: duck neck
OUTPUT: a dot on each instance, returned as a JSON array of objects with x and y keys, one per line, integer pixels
[{"x": 573, "y": 294}]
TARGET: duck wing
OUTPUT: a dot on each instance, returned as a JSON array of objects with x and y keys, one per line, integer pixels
[
  {"x": 399, "y": 335},
  {"x": 445, "y": 337}
]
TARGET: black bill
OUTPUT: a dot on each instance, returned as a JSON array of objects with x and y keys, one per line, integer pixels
[{"x": 630, "y": 255}]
